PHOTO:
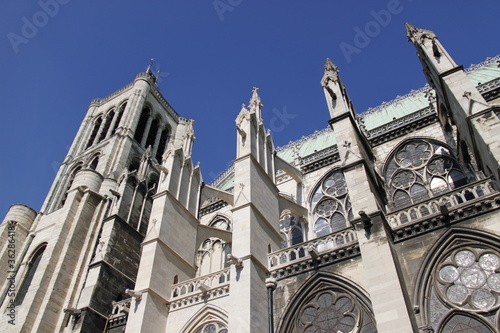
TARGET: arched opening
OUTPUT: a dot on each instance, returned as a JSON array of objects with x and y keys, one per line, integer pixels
[
  {"x": 30, "y": 273},
  {"x": 162, "y": 144},
  {"x": 220, "y": 222},
  {"x": 106, "y": 125},
  {"x": 97, "y": 125},
  {"x": 141, "y": 125},
  {"x": 327, "y": 302},
  {"x": 153, "y": 130},
  {"x": 292, "y": 231},
  {"x": 330, "y": 204},
  {"x": 93, "y": 164},
  {"x": 69, "y": 182},
  {"x": 458, "y": 283},
  {"x": 119, "y": 116},
  {"x": 212, "y": 256},
  {"x": 420, "y": 169}
]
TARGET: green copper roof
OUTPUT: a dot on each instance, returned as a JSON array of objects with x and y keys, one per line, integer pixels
[
  {"x": 397, "y": 108},
  {"x": 484, "y": 72},
  {"x": 417, "y": 99},
  {"x": 307, "y": 145}
]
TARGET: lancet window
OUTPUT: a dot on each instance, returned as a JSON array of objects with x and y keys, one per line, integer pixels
[
  {"x": 331, "y": 205},
  {"x": 119, "y": 116},
  {"x": 93, "y": 164},
  {"x": 153, "y": 130},
  {"x": 69, "y": 182},
  {"x": 212, "y": 256},
  {"x": 419, "y": 170},
  {"x": 162, "y": 144},
  {"x": 95, "y": 129},
  {"x": 141, "y": 125},
  {"x": 105, "y": 127},
  {"x": 31, "y": 270},
  {"x": 291, "y": 230}
]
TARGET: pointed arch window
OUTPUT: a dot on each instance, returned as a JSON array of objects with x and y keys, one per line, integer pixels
[
  {"x": 212, "y": 256},
  {"x": 421, "y": 169},
  {"x": 105, "y": 126},
  {"x": 327, "y": 303},
  {"x": 93, "y": 164},
  {"x": 153, "y": 130},
  {"x": 30, "y": 273},
  {"x": 71, "y": 178},
  {"x": 119, "y": 116},
  {"x": 291, "y": 230},
  {"x": 141, "y": 125},
  {"x": 462, "y": 291},
  {"x": 97, "y": 125},
  {"x": 331, "y": 205},
  {"x": 221, "y": 223},
  {"x": 162, "y": 144}
]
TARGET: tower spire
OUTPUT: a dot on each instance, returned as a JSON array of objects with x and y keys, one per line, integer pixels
[
  {"x": 330, "y": 66},
  {"x": 148, "y": 70},
  {"x": 416, "y": 35},
  {"x": 331, "y": 72}
]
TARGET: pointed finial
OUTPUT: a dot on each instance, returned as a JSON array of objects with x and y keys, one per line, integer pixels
[
  {"x": 255, "y": 93},
  {"x": 330, "y": 66},
  {"x": 410, "y": 29},
  {"x": 255, "y": 100},
  {"x": 416, "y": 34}
]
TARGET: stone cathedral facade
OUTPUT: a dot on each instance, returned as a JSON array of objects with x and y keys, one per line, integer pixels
[{"x": 386, "y": 221}]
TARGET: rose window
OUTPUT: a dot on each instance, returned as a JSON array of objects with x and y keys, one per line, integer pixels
[
  {"x": 468, "y": 279},
  {"x": 329, "y": 312},
  {"x": 335, "y": 185},
  {"x": 414, "y": 155}
]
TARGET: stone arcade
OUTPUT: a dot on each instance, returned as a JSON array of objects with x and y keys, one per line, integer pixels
[{"x": 386, "y": 221}]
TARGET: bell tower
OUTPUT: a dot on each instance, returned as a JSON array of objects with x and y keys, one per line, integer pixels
[{"x": 70, "y": 261}]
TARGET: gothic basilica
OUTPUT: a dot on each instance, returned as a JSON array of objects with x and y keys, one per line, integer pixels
[{"x": 386, "y": 221}]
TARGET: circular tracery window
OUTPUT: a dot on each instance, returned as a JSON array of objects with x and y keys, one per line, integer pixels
[
  {"x": 414, "y": 155},
  {"x": 329, "y": 312},
  {"x": 326, "y": 207},
  {"x": 468, "y": 278}
]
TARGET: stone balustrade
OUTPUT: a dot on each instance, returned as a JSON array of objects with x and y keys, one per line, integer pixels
[
  {"x": 315, "y": 247},
  {"x": 441, "y": 204},
  {"x": 195, "y": 286}
]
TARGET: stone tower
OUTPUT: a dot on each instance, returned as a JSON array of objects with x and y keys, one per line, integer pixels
[{"x": 82, "y": 250}]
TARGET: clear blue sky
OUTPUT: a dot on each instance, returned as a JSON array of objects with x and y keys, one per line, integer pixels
[{"x": 56, "y": 59}]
